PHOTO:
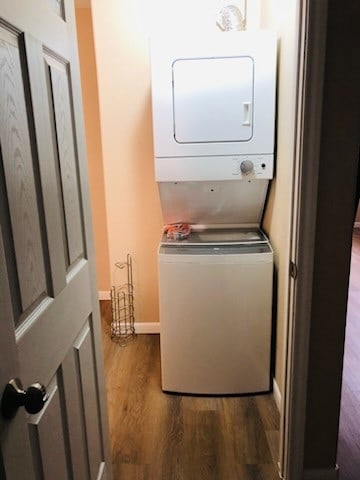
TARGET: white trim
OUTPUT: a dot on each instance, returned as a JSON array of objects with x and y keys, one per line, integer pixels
[
  {"x": 357, "y": 225},
  {"x": 303, "y": 237},
  {"x": 277, "y": 394},
  {"x": 140, "y": 327},
  {"x": 101, "y": 473},
  {"x": 147, "y": 327},
  {"x": 104, "y": 294},
  {"x": 301, "y": 20},
  {"x": 321, "y": 474}
]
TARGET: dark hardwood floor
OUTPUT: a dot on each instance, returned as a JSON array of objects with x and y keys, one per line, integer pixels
[
  {"x": 349, "y": 428},
  {"x": 158, "y": 436}
]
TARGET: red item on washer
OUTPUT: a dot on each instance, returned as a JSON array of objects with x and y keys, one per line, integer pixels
[{"x": 177, "y": 231}]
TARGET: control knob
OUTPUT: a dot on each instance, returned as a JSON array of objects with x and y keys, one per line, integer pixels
[{"x": 246, "y": 167}]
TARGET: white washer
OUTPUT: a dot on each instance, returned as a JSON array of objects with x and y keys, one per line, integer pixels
[{"x": 215, "y": 312}]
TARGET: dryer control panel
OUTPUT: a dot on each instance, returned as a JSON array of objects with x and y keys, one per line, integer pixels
[
  {"x": 253, "y": 166},
  {"x": 202, "y": 168}
]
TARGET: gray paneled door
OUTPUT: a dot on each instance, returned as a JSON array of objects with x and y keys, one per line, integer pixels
[{"x": 49, "y": 326}]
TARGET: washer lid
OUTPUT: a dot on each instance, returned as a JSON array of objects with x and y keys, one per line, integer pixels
[
  {"x": 220, "y": 236},
  {"x": 213, "y": 250}
]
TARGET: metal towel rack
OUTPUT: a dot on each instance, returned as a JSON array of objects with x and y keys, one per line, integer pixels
[{"x": 122, "y": 306}]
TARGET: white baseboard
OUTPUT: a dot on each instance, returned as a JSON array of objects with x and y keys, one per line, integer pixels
[
  {"x": 321, "y": 474},
  {"x": 104, "y": 295},
  {"x": 277, "y": 394},
  {"x": 140, "y": 327},
  {"x": 147, "y": 327}
]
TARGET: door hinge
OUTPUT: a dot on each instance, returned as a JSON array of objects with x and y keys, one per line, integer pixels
[{"x": 293, "y": 270}]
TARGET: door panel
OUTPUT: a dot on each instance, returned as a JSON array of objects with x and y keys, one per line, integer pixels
[
  {"x": 19, "y": 174},
  {"x": 74, "y": 413},
  {"x": 86, "y": 374},
  {"x": 52, "y": 311},
  {"x": 48, "y": 440},
  {"x": 48, "y": 161},
  {"x": 59, "y": 82},
  {"x": 58, "y": 320}
]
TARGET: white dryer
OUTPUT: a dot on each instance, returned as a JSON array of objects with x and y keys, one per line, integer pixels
[{"x": 213, "y": 102}]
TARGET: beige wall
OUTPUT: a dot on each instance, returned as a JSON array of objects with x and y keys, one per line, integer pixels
[
  {"x": 93, "y": 144},
  {"x": 281, "y": 15},
  {"x": 132, "y": 202}
]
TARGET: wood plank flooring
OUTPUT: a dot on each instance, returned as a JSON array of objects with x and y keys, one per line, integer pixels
[
  {"x": 349, "y": 428},
  {"x": 158, "y": 436}
]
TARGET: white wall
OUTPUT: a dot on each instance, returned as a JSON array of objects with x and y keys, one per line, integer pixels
[{"x": 282, "y": 16}]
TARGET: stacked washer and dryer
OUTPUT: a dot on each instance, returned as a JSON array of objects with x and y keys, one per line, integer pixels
[{"x": 213, "y": 102}]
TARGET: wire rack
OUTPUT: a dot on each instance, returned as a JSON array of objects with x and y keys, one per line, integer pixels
[{"x": 122, "y": 306}]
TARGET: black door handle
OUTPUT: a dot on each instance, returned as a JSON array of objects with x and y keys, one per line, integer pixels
[{"x": 14, "y": 396}]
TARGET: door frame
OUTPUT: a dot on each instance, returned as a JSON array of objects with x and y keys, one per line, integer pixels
[
  {"x": 315, "y": 87},
  {"x": 312, "y": 47}
]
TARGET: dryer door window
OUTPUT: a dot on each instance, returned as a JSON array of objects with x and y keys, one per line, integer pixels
[{"x": 213, "y": 99}]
